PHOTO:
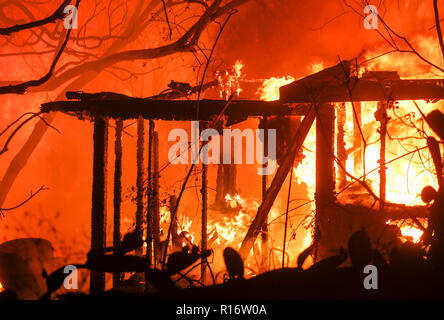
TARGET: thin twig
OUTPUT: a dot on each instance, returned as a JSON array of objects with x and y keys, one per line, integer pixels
[{"x": 32, "y": 195}]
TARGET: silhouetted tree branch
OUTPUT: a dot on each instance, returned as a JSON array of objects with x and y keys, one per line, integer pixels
[
  {"x": 21, "y": 88},
  {"x": 32, "y": 195},
  {"x": 58, "y": 14}
]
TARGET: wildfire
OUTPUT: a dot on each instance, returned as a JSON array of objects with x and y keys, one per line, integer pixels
[
  {"x": 409, "y": 232},
  {"x": 234, "y": 202},
  {"x": 229, "y": 80},
  {"x": 412, "y": 232},
  {"x": 270, "y": 87}
]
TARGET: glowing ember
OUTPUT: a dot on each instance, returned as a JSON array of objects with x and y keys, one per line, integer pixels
[{"x": 270, "y": 87}]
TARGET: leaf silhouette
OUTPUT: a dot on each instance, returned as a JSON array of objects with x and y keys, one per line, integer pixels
[
  {"x": 304, "y": 255},
  {"x": 131, "y": 241},
  {"x": 330, "y": 262},
  {"x": 117, "y": 263},
  {"x": 234, "y": 263},
  {"x": 180, "y": 260},
  {"x": 360, "y": 249}
]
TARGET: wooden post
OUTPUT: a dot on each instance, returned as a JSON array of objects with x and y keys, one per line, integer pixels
[
  {"x": 204, "y": 236},
  {"x": 340, "y": 144},
  {"x": 156, "y": 206},
  {"x": 286, "y": 219},
  {"x": 325, "y": 184},
  {"x": 279, "y": 178},
  {"x": 264, "y": 229},
  {"x": 140, "y": 177},
  {"x": 149, "y": 235},
  {"x": 98, "y": 210},
  {"x": 117, "y": 192},
  {"x": 174, "y": 230},
  {"x": 382, "y": 118}
]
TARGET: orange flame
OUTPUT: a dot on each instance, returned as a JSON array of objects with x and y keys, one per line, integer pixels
[
  {"x": 229, "y": 80},
  {"x": 270, "y": 87}
]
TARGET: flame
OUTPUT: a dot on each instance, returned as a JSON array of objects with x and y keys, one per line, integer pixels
[
  {"x": 234, "y": 202},
  {"x": 1, "y": 287},
  {"x": 270, "y": 87},
  {"x": 229, "y": 80},
  {"x": 409, "y": 232},
  {"x": 412, "y": 232}
]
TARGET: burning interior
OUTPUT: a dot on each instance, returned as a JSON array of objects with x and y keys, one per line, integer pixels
[{"x": 356, "y": 144}]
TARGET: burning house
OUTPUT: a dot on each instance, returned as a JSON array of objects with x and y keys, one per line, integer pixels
[
  {"x": 272, "y": 181},
  {"x": 318, "y": 97}
]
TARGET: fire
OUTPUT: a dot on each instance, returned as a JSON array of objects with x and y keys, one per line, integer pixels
[
  {"x": 1, "y": 287},
  {"x": 412, "y": 232},
  {"x": 270, "y": 87},
  {"x": 234, "y": 202},
  {"x": 229, "y": 80},
  {"x": 408, "y": 232}
]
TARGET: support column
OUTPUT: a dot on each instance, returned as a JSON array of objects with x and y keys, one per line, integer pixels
[
  {"x": 117, "y": 192},
  {"x": 98, "y": 211},
  {"x": 156, "y": 205},
  {"x": 149, "y": 219},
  {"x": 140, "y": 177},
  {"x": 204, "y": 235},
  {"x": 381, "y": 116},
  {"x": 264, "y": 229},
  {"x": 325, "y": 184},
  {"x": 175, "y": 240}
]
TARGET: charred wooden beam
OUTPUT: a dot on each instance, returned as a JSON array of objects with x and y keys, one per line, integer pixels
[
  {"x": 381, "y": 116},
  {"x": 155, "y": 214},
  {"x": 140, "y": 177},
  {"x": 325, "y": 181},
  {"x": 276, "y": 184},
  {"x": 174, "y": 226},
  {"x": 149, "y": 229},
  {"x": 98, "y": 211},
  {"x": 264, "y": 229},
  {"x": 183, "y": 110},
  {"x": 117, "y": 200},
  {"x": 174, "y": 93},
  {"x": 333, "y": 90},
  {"x": 204, "y": 236}
]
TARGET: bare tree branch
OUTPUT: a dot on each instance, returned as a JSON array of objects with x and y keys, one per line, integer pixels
[
  {"x": 32, "y": 195},
  {"x": 438, "y": 27},
  {"x": 21, "y": 88},
  {"x": 58, "y": 14}
]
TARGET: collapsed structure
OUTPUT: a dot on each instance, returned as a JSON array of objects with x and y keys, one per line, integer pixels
[{"x": 312, "y": 98}]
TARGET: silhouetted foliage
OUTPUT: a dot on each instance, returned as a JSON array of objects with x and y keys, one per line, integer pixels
[
  {"x": 234, "y": 264},
  {"x": 360, "y": 249}
]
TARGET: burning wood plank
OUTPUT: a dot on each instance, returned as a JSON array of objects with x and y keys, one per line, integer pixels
[
  {"x": 277, "y": 182},
  {"x": 181, "y": 110},
  {"x": 338, "y": 84}
]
